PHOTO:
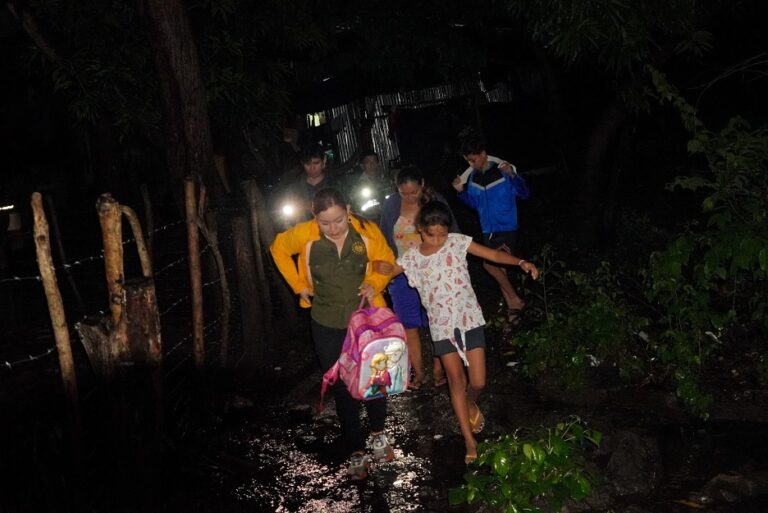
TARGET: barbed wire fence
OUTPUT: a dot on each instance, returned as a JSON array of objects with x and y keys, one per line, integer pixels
[{"x": 172, "y": 290}]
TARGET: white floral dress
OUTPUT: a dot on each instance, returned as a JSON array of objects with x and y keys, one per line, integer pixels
[{"x": 442, "y": 280}]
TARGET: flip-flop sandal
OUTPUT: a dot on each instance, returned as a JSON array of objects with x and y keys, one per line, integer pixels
[
  {"x": 440, "y": 382},
  {"x": 469, "y": 458},
  {"x": 478, "y": 423},
  {"x": 415, "y": 384}
]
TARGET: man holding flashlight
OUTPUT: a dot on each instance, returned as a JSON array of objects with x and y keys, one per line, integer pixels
[
  {"x": 368, "y": 187},
  {"x": 297, "y": 201}
]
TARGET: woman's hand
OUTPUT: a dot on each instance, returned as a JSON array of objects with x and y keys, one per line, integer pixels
[
  {"x": 306, "y": 295},
  {"x": 382, "y": 267},
  {"x": 529, "y": 268},
  {"x": 366, "y": 291}
]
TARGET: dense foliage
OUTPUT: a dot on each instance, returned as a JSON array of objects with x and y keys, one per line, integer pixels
[
  {"x": 713, "y": 276},
  {"x": 698, "y": 287},
  {"x": 587, "y": 321}
]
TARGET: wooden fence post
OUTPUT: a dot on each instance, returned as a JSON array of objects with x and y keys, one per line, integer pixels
[
  {"x": 112, "y": 235},
  {"x": 59, "y": 323},
  {"x": 195, "y": 279}
]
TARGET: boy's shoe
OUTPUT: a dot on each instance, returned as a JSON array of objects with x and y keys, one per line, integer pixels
[
  {"x": 382, "y": 451},
  {"x": 359, "y": 465}
]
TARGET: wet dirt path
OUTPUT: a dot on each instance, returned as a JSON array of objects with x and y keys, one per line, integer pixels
[{"x": 281, "y": 456}]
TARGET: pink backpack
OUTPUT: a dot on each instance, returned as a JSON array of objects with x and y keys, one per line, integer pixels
[{"x": 374, "y": 359}]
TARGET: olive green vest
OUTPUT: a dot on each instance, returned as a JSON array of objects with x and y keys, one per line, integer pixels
[{"x": 337, "y": 279}]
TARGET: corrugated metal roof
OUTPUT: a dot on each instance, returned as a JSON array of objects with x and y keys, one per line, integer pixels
[{"x": 350, "y": 115}]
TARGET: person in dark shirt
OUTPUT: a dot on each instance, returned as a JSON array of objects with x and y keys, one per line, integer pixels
[{"x": 297, "y": 200}]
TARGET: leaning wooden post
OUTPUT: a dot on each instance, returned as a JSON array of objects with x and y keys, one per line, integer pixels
[
  {"x": 195, "y": 279},
  {"x": 138, "y": 236},
  {"x": 58, "y": 320},
  {"x": 112, "y": 234}
]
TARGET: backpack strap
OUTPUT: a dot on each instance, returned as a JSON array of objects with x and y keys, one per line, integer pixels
[{"x": 329, "y": 378}]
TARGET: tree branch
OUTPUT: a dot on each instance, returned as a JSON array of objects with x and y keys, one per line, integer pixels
[{"x": 20, "y": 11}]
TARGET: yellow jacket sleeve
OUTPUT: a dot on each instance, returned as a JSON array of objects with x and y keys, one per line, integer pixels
[
  {"x": 378, "y": 250},
  {"x": 287, "y": 244}
]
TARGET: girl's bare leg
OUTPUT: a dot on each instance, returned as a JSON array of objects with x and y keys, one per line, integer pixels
[
  {"x": 438, "y": 374},
  {"x": 457, "y": 386},
  {"x": 507, "y": 290},
  {"x": 476, "y": 371},
  {"x": 413, "y": 342}
]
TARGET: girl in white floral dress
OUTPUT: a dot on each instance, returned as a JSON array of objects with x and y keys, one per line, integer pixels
[{"x": 437, "y": 268}]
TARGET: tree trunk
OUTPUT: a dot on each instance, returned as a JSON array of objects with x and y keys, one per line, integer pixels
[
  {"x": 267, "y": 235},
  {"x": 149, "y": 218},
  {"x": 588, "y": 204},
  {"x": 254, "y": 202},
  {"x": 189, "y": 149},
  {"x": 218, "y": 272},
  {"x": 250, "y": 299}
]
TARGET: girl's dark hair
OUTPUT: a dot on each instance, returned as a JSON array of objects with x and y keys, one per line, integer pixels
[
  {"x": 434, "y": 213},
  {"x": 330, "y": 197},
  {"x": 411, "y": 173}
]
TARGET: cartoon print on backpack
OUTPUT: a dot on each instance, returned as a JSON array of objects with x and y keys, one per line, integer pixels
[
  {"x": 380, "y": 379},
  {"x": 397, "y": 366}
]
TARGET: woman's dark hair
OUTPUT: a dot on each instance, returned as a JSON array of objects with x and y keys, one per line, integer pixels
[
  {"x": 330, "y": 197},
  {"x": 434, "y": 213},
  {"x": 411, "y": 173}
]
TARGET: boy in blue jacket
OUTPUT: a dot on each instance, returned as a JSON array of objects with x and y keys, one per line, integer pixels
[{"x": 491, "y": 187}]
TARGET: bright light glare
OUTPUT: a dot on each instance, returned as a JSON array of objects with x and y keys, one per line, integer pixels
[
  {"x": 6, "y": 207},
  {"x": 366, "y": 192},
  {"x": 369, "y": 204},
  {"x": 288, "y": 210}
]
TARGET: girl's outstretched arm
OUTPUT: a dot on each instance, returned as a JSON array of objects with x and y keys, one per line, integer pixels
[
  {"x": 500, "y": 257},
  {"x": 386, "y": 268}
]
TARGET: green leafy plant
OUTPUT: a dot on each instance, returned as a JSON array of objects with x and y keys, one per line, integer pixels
[
  {"x": 714, "y": 275},
  {"x": 586, "y": 322},
  {"x": 531, "y": 473}
]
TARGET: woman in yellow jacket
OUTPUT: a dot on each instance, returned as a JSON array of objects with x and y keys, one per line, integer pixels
[{"x": 332, "y": 272}]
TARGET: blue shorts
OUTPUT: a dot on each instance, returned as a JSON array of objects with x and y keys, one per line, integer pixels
[{"x": 406, "y": 303}]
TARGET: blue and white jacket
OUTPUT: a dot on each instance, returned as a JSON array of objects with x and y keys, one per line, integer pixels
[{"x": 494, "y": 194}]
